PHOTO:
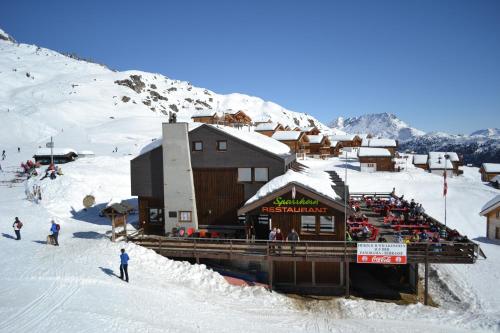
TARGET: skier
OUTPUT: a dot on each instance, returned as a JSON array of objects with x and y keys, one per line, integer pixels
[
  {"x": 3, "y": 155},
  {"x": 17, "y": 228},
  {"x": 18, "y": 149},
  {"x": 54, "y": 230},
  {"x": 124, "y": 258}
]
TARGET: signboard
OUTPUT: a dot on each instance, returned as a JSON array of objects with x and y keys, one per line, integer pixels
[
  {"x": 297, "y": 205},
  {"x": 49, "y": 145},
  {"x": 381, "y": 253}
]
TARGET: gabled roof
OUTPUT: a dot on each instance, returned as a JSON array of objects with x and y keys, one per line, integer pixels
[
  {"x": 420, "y": 159},
  {"x": 491, "y": 167},
  {"x": 491, "y": 205},
  {"x": 316, "y": 138},
  {"x": 435, "y": 155},
  {"x": 373, "y": 152},
  {"x": 206, "y": 113},
  {"x": 266, "y": 127},
  {"x": 439, "y": 164},
  {"x": 56, "y": 151},
  {"x": 345, "y": 137},
  {"x": 380, "y": 143},
  {"x": 334, "y": 143},
  {"x": 287, "y": 135}
]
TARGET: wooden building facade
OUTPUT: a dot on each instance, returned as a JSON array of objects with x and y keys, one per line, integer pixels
[
  {"x": 489, "y": 171},
  {"x": 491, "y": 211},
  {"x": 268, "y": 128},
  {"x": 296, "y": 140},
  {"x": 319, "y": 145},
  {"x": 375, "y": 159}
]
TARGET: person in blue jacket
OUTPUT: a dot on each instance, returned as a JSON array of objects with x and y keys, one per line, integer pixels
[
  {"x": 54, "y": 230},
  {"x": 124, "y": 258}
]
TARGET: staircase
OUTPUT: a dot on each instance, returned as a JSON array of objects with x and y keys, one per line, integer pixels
[{"x": 339, "y": 187}]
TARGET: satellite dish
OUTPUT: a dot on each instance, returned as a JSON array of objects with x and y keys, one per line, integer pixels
[{"x": 88, "y": 201}]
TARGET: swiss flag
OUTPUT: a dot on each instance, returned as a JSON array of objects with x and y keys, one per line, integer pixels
[{"x": 445, "y": 184}]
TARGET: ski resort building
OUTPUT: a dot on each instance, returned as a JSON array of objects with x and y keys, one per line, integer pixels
[
  {"x": 491, "y": 210},
  {"x": 319, "y": 146},
  {"x": 207, "y": 117},
  {"x": 297, "y": 141},
  {"x": 389, "y": 144},
  {"x": 236, "y": 118},
  {"x": 309, "y": 130},
  {"x": 335, "y": 147},
  {"x": 375, "y": 159},
  {"x": 489, "y": 171},
  {"x": 347, "y": 140},
  {"x": 436, "y": 162},
  {"x": 61, "y": 155},
  {"x": 268, "y": 128},
  {"x": 420, "y": 161}
]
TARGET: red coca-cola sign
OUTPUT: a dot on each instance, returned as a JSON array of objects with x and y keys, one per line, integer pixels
[
  {"x": 381, "y": 253},
  {"x": 385, "y": 260}
]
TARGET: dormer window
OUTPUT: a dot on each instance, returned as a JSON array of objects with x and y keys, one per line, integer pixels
[
  {"x": 197, "y": 145},
  {"x": 222, "y": 145}
]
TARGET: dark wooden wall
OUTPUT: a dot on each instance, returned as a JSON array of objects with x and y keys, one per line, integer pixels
[{"x": 383, "y": 163}]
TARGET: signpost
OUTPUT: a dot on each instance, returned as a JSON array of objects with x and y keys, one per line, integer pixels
[
  {"x": 51, "y": 146},
  {"x": 381, "y": 253}
]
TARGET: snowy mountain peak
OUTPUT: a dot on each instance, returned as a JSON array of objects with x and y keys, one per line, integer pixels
[
  {"x": 5, "y": 36},
  {"x": 385, "y": 124},
  {"x": 488, "y": 132}
]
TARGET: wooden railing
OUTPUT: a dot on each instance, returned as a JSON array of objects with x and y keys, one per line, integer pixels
[{"x": 443, "y": 252}]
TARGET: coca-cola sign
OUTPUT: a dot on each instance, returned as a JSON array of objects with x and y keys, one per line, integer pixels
[{"x": 381, "y": 253}]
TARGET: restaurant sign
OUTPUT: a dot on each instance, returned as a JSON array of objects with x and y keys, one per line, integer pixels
[
  {"x": 381, "y": 253},
  {"x": 302, "y": 205}
]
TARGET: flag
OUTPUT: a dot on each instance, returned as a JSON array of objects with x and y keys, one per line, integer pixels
[{"x": 445, "y": 184}]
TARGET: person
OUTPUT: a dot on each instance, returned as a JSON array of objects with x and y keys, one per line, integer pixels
[
  {"x": 365, "y": 231},
  {"x": 18, "y": 149},
  {"x": 272, "y": 238},
  {"x": 293, "y": 237},
  {"x": 54, "y": 230},
  {"x": 279, "y": 238},
  {"x": 17, "y": 228},
  {"x": 251, "y": 233},
  {"x": 393, "y": 193},
  {"x": 399, "y": 238},
  {"x": 124, "y": 258},
  {"x": 3, "y": 155}
]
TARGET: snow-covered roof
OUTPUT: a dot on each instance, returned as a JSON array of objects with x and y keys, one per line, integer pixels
[
  {"x": 316, "y": 138},
  {"x": 346, "y": 137},
  {"x": 435, "y": 155},
  {"x": 205, "y": 113},
  {"x": 379, "y": 143},
  {"x": 266, "y": 127},
  {"x": 333, "y": 143},
  {"x": 439, "y": 165},
  {"x": 491, "y": 205},
  {"x": 316, "y": 181},
  {"x": 286, "y": 135},
  {"x": 306, "y": 128},
  {"x": 56, "y": 151},
  {"x": 373, "y": 152},
  {"x": 86, "y": 152},
  {"x": 491, "y": 167},
  {"x": 420, "y": 159}
]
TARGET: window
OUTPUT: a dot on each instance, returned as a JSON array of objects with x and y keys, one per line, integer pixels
[
  {"x": 172, "y": 214},
  {"x": 308, "y": 223},
  {"x": 244, "y": 174},
  {"x": 326, "y": 224},
  {"x": 155, "y": 216},
  {"x": 221, "y": 145},
  {"x": 261, "y": 175},
  {"x": 184, "y": 216},
  {"x": 198, "y": 145}
]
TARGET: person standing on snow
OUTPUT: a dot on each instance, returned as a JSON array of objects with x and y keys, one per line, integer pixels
[
  {"x": 17, "y": 228},
  {"x": 54, "y": 230},
  {"x": 3, "y": 155},
  {"x": 124, "y": 258},
  {"x": 18, "y": 149}
]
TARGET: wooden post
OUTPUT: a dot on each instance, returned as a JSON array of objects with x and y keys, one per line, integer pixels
[
  {"x": 426, "y": 273},
  {"x": 270, "y": 265},
  {"x": 313, "y": 273},
  {"x": 294, "y": 273},
  {"x": 347, "y": 284},
  {"x": 159, "y": 249}
]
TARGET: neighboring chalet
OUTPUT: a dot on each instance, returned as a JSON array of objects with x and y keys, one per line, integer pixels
[
  {"x": 309, "y": 130},
  {"x": 61, "y": 155},
  {"x": 436, "y": 160},
  {"x": 489, "y": 171},
  {"x": 319, "y": 145},
  {"x": 347, "y": 140},
  {"x": 492, "y": 212},
  {"x": 236, "y": 118},
  {"x": 420, "y": 161},
  {"x": 297, "y": 141},
  {"x": 375, "y": 159},
  {"x": 268, "y": 129},
  {"x": 438, "y": 167},
  {"x": 335, "y": 147},
  {"x": 389, "y": 144},
  {"x": 206, "y": 117}
]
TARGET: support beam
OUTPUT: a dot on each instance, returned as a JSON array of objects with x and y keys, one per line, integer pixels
[
  {"x": 294, "y": 273},
  {"x": 347, "y": 284},
  {"x": 426, "y": 284},
  {"x": 270, "y": 271},
  {"x": 313, "y": 273}
]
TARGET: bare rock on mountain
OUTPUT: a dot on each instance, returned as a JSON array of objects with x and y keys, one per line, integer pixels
[{"x": 135, "y": 83}]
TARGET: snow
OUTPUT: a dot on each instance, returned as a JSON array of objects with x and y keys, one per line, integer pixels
[
  {"x": 490, "y": 205},
  {"x": 373, "y": 152},
  {"x": 56, "y": 151},
  {"x": 286, "y": 135},
  {"x": 440, "y": 164},
  {"x": 317, "y": 181},
  {"x": 207, "y": 113},
  {"x": 266, "y": 126},
  {"x": 435, "y": 156},
  {"x": 420, "y": 159},
  {"x": 346, "y": 137},
  {"x": 491, "y": 167},
  {"x": 379, "y": 143},
  {"x": 333, "y": 143},
  {"x": 316, "y": 138}
]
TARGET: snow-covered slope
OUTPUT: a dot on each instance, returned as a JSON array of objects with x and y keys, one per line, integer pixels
[
  {"x": 487, "y": 132},
  {"x": 385, "y": 125},
  {"x": 45, "y": 93}
]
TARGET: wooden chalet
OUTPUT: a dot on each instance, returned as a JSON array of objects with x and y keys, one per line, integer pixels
[
  {"x": 489, "y": 171},
  {"x": 309, "y": 130},
  {"x": 236, "y": 118},
  {"x": 436, "y": 160},
  {"x": 208, "y": 117},
  {"x": 335, "y": 148},
  {"x": 389, "y": 144},
  {"x": 228, "y": 167},
  {"x": 347, "y": 140},
  {"x": 492, "y": 212},
  {"x": 268, "y": 128},
  {"x": 375, "y": 159},
  {"x": 319, "y": 145},
  {"x": 297, "y": 141},
  {"x": 61, "y": 155},
  {"x": 420, "y": 161}
]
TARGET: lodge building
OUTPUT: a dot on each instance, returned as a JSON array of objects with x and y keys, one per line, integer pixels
[{"x": 375, "y": 159}]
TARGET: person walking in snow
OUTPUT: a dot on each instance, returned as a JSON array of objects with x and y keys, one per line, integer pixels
[
  {"x": 3, "y": 155},
  {"x": 54, "y": 230},
  {"x": 17, "y": 228},
  {"x": 124, "y": 258},
  {"x": 18, "y": 149}
]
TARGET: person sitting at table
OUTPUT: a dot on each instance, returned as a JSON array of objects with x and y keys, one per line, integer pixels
[
  {"x": 365, "y": 231},
  {"x": 433, "y": 228},
  {"x": 399, "y": 238},
  {"x": 414, "y": 238},
  {"x": 423, "y": 236}
]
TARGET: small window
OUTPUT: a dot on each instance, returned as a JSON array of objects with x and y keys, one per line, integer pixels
[
  {"x": 184, "y": 216},
  {"x": 198, "y": 145},
  {"x": 326, "y": 224},
  {"x": 221, "y": 145},
  {"x": 172, "y": 214},
  {"x": 244, "y": 174},
  {"x": 155, "y": 216},
  {"x": 308, "y": 223},
  {"x": 261, "y": 175}
]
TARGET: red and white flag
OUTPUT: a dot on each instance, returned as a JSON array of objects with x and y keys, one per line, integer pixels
[{"x": 445, "y": 184}]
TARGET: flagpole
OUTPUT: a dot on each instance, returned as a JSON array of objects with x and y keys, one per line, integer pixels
[{"x": 445, "y": 185}]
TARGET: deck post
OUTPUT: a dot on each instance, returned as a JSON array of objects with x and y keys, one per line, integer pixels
[
  {"x": 313, "y": 273},
  {"x": 347, "y": 285},
  {"x": 426, "y": 274},
  {"x": 294, "y": 273},
  {"x": 270, "y": 269},
  {"x": 159, "y": 248}
]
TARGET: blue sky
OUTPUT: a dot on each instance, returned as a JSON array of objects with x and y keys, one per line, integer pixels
[{"x": 435, "y": 64}]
